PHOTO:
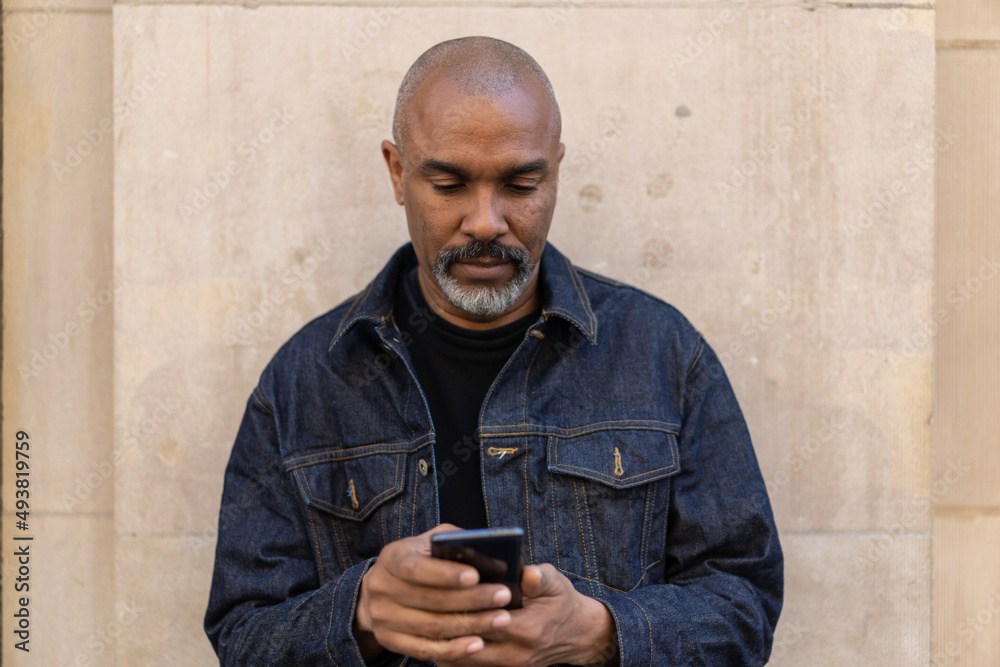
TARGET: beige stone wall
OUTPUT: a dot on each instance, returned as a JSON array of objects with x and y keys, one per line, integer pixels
[{"x": 766, "y": 167}]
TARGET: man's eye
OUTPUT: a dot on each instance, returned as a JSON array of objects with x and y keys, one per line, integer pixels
[
  {"x": 523, "y": 189},
  {"x": 446, "y": 187}
]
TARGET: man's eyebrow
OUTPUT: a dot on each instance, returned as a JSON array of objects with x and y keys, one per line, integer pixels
[
  {"x": 431, "y": 164},
  {"x": 541, "y": 165}
]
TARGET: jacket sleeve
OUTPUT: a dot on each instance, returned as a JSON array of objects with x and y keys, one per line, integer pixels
[
  {"x": 723, "y": 581},
  {"x": 267, "y": 605}
]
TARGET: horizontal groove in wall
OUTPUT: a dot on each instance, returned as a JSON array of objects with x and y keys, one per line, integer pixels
[
  {"x": 43, "y": 10},
  {"x": 966, "y": 511},
  {"x": 968, "y": 44},
  {"x": 548, "y": 4}
]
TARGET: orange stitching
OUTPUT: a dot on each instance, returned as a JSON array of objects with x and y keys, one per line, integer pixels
[
  {"x": 413, "y": 511},
  {"x": 624, "y": 479},
  {"x": 501, "y": 451},
  {"x": 645, "y": 519},
  {"x": 527, "y": 513},
  {"x": 586, "y": 558},
  {"x": 319, "y": 557},
  {"x": 590, "y": 529},
  {"x": 406, "y": 410},
  {"x": 555, "y": 524},
  {"x": 697, "y": 353},
  {"x": 352, "y": 493},
  {"x": 360, "y": 299},
  {"x": 619, "y": 471},
  {"x": 345, "y": 561},
  {"x": 584, "y": 301},
  {"x": 648, "y": 627},
  {"x": 604, "y": 585},
  {"x": 583, "y": 429},
  {"x": 361, "y": 452},
  {"x": 261, "y": 401},
  {"x": 329, "y": 629}
]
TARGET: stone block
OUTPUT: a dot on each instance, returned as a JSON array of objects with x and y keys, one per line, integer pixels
[
  {"x": 844, "y": 607},
  {"x": 968, "y": 273},
  {"x": 58, "y": 284},
  {"x": 164, "y": 582},
  {"x": 964, "y": 21},
  {"x": 71, "y": 612},
  {"x": 966, "y": 588}
]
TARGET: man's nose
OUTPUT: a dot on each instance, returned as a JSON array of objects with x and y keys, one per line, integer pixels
[{"x": 485, "y": 219}]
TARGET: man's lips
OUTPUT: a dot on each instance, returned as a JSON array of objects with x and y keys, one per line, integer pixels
[{"x": 487, "y": 268}]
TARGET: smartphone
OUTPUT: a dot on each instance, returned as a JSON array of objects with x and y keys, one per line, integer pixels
[{"x": 494, "y": 552}]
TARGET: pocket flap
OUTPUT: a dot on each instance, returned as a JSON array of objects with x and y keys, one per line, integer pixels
[
  {"x": 348, "y": 483},
  {"x": 617, "y": 457}
]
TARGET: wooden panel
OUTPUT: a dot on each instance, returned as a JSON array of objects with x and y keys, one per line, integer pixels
[
  {"x": 968, "y": 274},
  {"x": 968, "y": 20},
  {"x": 966, "y": 589}
]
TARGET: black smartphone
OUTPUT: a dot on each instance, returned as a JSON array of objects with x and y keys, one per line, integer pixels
[{"x": 494, "y": 552}]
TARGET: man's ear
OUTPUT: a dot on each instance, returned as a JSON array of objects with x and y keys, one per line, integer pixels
[
  {"x": 559, "y": 156},
  {"x": 394, "y": 161}
]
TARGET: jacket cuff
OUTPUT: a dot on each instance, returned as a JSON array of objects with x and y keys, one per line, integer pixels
[
  {"x": 635, "y": 632},
  {"x": 340, "y": 641}
]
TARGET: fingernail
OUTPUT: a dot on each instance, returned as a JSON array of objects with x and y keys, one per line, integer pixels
[
  {"x": 476, "y": 645},
  {"x": 501, "y": 620},
  {"x": 502, "y": 596},
  {"x": 467, "y": 578}
]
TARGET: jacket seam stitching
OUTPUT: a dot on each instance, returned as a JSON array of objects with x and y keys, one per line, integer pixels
[
  {"x": 584, "y": 301},
  {"x": 261, "y": 401},
  {"x": 329, "y": 629},
  {"x": 697, "y": 354},
  {"x": 524, "y": 419}
]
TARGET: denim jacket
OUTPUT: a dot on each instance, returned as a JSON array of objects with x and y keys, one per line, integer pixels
[{"x": 611, "y": 436}]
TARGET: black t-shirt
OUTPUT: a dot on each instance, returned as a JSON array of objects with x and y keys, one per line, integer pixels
[{"x": 455, "y": 367}]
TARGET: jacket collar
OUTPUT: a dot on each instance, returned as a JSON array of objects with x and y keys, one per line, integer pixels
[{"x": 563, "y": 294}]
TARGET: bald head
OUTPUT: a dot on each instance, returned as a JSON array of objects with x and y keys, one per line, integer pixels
[{"x": 476, "y": 66}]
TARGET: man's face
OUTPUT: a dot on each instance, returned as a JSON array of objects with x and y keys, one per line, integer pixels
[{"x": 477, "y": 178}]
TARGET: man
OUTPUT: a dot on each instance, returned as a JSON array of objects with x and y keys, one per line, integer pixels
[{"x": 482, "y": 380}]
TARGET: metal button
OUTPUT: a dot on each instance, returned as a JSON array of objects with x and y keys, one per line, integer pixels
[{"x": 422, "y": 467}]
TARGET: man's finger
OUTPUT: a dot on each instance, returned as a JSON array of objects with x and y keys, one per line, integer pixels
[
  {"x": 534, "y": 581},
  {"x": 431, "y": 625},
  {"x": 431, "y": 650},
  {"x": 483, "y": 597}
]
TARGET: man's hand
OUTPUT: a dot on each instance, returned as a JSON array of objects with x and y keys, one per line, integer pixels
[
  {"x": 556, "y": 625},
  {"x": 428, "y": 608}
]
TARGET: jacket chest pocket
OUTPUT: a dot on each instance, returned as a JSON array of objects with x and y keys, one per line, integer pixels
[
  {"x": 355, "y": 500},
  {"x": 609, "y": 491}
]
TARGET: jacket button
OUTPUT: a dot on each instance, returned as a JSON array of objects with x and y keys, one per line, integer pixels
[{"x": 422, "y": 467}]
